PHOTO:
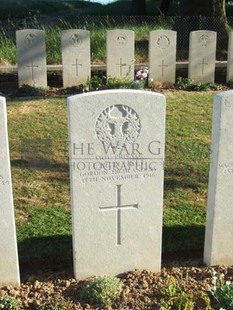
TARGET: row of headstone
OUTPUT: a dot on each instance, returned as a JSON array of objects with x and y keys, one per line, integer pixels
[
  {"x": 116, "y": 170},
  {"x": 76, "y": 62}
]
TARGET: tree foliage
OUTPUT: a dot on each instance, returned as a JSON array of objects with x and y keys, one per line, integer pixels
[
  {"x": 138, "y": 8},
  {"x": 164, "y": 7}
]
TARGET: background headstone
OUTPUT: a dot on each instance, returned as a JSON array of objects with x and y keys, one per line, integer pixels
[
  {"x": 31, "y": 58},
  {"x": 230, "y": 58},
  {"x": 76, "y": 60},
  {"x": 9, "y": 268},
  {"x": 162, "y": 56},
  {"x": 116, "y": 166},
  {"x": 202, "y": 56},
  {"x": 219, "y": 227},
  {"x": 120, "y": 54}
]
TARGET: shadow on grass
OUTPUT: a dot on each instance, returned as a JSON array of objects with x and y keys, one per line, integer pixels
[
  {"x": 181, "y": 243},
  {"x": 43, "y": 164},
  {"x": 53, "y": 255},
  {"x": 42, "y": 255},
  {"x": 175, "y": 178}
]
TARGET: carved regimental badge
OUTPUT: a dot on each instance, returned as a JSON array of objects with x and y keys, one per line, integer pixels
[
  {"x": 76, "y": 39},
  {"x": 30, "y": 39},
  {"x": 204, "y": 40},
  {"x": 163, "y": 42},
  {"x": 118, "y": 125},
  {"x": 121, "y": 40}
]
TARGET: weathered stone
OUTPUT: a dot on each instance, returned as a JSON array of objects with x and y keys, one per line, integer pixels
[
  {"x": 162, "y": 56},
  {"x": 202, "y": 54},
  {"x": 116, "y": 167},
  {"x": 219, "y": 227},
  {"x": 120, "y": 54},
  {"x": 76, "y": 61},
  {"x": 230, "y": 58},
  {"x": 9, "y": 268},
  {"x": 31, "y": 58}
]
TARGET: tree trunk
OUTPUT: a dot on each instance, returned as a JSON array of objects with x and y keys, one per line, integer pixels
[
  {"x": 204, "y": 15},
  {"x": 220, "y": 24},
  {"x": 138, "y": 8},
  {"x": 215, "y": 11},
  {"x": 219, "y": 8}
]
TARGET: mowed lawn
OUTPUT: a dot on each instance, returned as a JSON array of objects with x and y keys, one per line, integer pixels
[{"x": 38, "y": 138}]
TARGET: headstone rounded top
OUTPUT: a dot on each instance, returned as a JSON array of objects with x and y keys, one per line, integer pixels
[
  {"x": 114, "y": 92},
  {"x": 30, "y": 31},
  {"x": 76, "y": 36},
  {"x": 225, "y": 94},
  {"x": 122, "y": 36},
  {"x": 204, "y": 31}
]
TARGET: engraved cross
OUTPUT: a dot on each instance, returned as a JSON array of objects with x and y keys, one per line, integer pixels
[
  {"x": 203, "y": 64},
  {"x": 163, "y": 66},
  {"x": 121, "y": 65},
  {"x": 32, "y": 66},
  {"x": 76, "y": 66},
  {"x": 118, "y": 208}
]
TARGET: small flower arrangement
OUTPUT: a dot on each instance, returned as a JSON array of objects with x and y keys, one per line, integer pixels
[
  {"x": 142, "y": 74},
  {"x": 222, "y": 291}
]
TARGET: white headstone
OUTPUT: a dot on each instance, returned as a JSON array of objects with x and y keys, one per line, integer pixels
[
  {"x": 31, "y": 58},
  {"x": 9, "y": 268},
  {"x": 230, "y": 58},
  {"x": 202, "y": 56},
  {"x": 162, "y": 56},
  {"x": 219, "y": 227},
  {"x": 120, "y": 54},
  {"x": 76, "y": 60},
  {"x": 116, "y": 166}
]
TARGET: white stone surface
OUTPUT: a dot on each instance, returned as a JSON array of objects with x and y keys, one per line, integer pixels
[
  {"x": 120, "y": 54},
  {"x": 9, "y": 268},
  {"x": 219, "y": 228},
  {"x": 162, "y": 56},
  {"x": 31, "y": 57},
  {"x": 230, "y": 58},
  {"x": 202, "y": 56},
  {"x": 116, "y": 169},
  {"x": 76, "y": 60}
]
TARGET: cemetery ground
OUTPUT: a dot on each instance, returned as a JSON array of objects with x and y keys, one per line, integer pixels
[{"x": 40, "y": 173}]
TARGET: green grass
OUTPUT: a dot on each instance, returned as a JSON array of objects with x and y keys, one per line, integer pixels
[
  {"x": 41, "y": 189},
  {"x": 186, "y": 172}
]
